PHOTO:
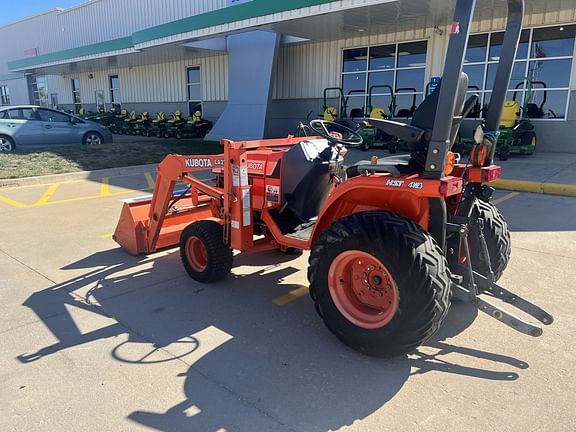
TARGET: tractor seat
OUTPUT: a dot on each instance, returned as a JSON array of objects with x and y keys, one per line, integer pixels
[{"x": 417, "y": 134}]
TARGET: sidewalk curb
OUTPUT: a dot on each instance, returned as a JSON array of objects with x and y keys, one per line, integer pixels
[
  {"x": 536, "y": 187},
  {"x": 77, "y": 176}
]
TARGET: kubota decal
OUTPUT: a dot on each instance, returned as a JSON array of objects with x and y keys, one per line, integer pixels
[{"x": 202, "y": 163}]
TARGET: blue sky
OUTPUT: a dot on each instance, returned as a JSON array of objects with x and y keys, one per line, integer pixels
[{"x": 14, "y": 10}]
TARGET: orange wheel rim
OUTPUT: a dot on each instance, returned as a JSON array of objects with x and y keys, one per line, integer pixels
[
  {"x": 363, "y": 289},
  {"x": 196, "y": 253}
]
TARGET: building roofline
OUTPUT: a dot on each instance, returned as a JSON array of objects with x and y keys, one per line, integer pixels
[
  {"x": 31, "y": 17},
  {"x": 227, "y": 15},
  {"x": 124, "y": 43},
  {"x": 253, "y": 9}
]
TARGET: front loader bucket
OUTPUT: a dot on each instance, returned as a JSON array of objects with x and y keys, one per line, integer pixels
[{"x": 132, "y": 231}]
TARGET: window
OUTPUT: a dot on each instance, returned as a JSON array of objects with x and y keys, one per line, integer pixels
[
  {"x": 21, "y": 114},
  {"x": 99, "y": 98},
  {"x": 401, "y": 67},
  {"x": 194, "y": 90},
  {"x": 40, "y": 90},
  {"x": 4, "y": 95},
  {"x": 54, "y": 100},
  {"x": 541, "y": 74},
  {"x": 114, "y": 89},
  {"x": 77, "y": 100},
  {"x": 53, "y": 116}
]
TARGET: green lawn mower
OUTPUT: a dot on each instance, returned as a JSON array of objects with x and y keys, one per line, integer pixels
[
  {"x": 373, "y": 137},
  {"x": 157, "y": 126},
  {"x": 127, "y": 127},
  {"x": 175, "y": 123},
  {"x": 194, "y": 127},
  {"x": 142, "y": 124},
  {"x": 105, "y": 118},
  {"x": 404, "y": 114},
  {"x": 117, "y": 122},
  {"x": 516, "y": 134}
]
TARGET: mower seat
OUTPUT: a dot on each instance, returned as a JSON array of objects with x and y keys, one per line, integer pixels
[
  {"x": 417, "y": 134},
  {"x": 357, "y": 113},
  {"x": 534, "y": 111},
  {"x": 330, "y": 114}
]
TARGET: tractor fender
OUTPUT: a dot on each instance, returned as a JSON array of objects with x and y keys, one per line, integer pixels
[{"x": 364, "y": 193}]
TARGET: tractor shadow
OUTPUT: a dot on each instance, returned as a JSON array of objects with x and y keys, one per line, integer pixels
[{"x": 277, "y": 369}]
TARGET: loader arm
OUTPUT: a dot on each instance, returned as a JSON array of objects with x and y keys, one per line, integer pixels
[{"x": 172, "y": 169}]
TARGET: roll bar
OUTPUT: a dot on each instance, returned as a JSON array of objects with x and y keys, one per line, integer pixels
[{"x": 459, "y": 33}]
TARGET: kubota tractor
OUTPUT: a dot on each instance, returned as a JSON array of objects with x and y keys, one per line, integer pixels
[{"x": 391, "y": 242}]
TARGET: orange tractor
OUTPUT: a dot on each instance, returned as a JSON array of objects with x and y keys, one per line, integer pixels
[{"x": 391, "y": 240}]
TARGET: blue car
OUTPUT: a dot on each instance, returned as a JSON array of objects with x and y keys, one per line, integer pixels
[{"x": 29, "y": 125}]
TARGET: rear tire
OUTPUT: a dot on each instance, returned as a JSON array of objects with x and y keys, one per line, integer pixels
[
  {"x": 205, "y": 256},
  {"x": 503, "y": 153},
  {"x": 398, "y": 301},
  {"x": 497, "y": 239},
  {"x": 7, "y": 144}
]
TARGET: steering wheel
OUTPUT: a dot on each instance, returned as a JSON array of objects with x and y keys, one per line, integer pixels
[{"x": 336, "y": 133}]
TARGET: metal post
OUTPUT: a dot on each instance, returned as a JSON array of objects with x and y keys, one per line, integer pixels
[
  {"x": 504, "y": 71},
  {"x": 440, "y": 142}
]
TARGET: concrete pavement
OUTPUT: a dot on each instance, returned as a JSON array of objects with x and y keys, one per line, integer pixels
[{"x": 95, "y": 339}]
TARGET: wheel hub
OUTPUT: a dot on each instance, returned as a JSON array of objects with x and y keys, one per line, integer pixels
[
  {"x": 197, "y": 254},
  {"x": 363, "y": 289}
]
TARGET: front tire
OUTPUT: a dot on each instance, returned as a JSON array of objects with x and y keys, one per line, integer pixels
[
  {"x": 379, "y": 282},
  {"x": 205, "y": 256},
  {"x": 92, "y": 138}
]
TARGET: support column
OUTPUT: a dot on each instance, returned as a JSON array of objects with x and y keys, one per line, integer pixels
[{"x": 251, "y": 63}]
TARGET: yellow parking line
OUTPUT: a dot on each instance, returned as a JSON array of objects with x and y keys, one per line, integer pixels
[
  {"x": 44, "y": 200},
  {"x": 105, "y": 187},
  {"x": 283, "y": 300},
  {"x": 47, "y": 195},
  {"x": 91, "y": 197},
  {"x": 150, "y": 180},
  {"x": 505, "y": 198},
  {"x": 13, "y": 203},
  {"x": 106, "y": 236}
]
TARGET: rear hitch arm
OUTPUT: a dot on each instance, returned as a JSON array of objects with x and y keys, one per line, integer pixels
[
  {"x": 503, "y": 315},
  {"x": 476, "y": 284}
]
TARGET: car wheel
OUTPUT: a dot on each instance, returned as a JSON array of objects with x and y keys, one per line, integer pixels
[
  {"x": 6, "y": 144},
  {"x": 93, "y": 138}
]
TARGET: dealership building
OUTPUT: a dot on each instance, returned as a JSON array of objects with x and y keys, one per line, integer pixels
[{"x": 258, "y": 67}]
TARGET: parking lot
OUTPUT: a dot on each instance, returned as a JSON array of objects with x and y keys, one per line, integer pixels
[{"x": 95, "y": 339}]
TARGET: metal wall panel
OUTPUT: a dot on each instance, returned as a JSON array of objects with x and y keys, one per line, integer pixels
[
  {"x": 18, "y": 90},
  {"x": 39, "y": 32},
  {"x": 103, "y": 20},
  {"x": 165, "y": 82}
]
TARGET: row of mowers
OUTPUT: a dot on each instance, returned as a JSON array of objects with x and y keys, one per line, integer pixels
[
  {"x": 516, "y": 133},
  {"x": 122, "y": 122}
]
